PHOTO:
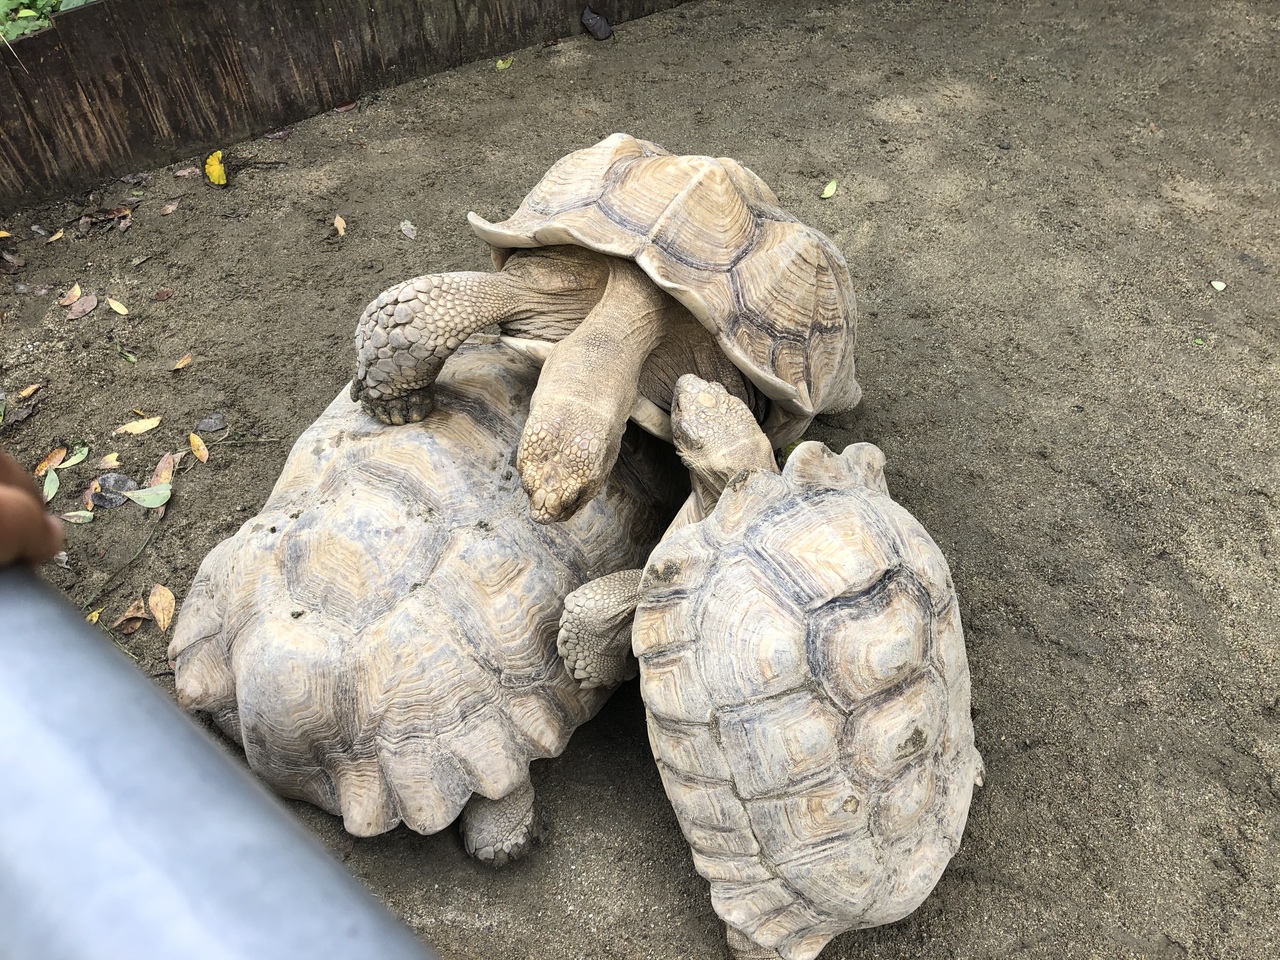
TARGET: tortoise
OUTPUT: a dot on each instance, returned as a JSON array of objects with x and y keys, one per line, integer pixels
[
  {"x": 623, "y": 268},
  {"x": 803, "y": 671},
  {"x": 381, "y": 637}
]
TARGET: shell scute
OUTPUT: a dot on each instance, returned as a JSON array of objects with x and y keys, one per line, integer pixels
[
  {"x": 883, "y": 737},
  {"x": 752, "y": 639},
  {"x": 866, "y": 643},
  {"x": 773, "y": 745},
  {"x": 832, "y": 810},
  {"x": 711, "y": 816}
]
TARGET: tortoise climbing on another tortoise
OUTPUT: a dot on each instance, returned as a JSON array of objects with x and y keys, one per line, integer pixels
[
  {"x": 804, "y": 674},
  {"x": 624, "y": 268},
  {"x": 381, "y": 637}
]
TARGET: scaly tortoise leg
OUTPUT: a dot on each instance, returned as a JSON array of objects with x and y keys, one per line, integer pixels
[
  {"x": 595, "y": 629},
  {"x": 497, "y": 832}
]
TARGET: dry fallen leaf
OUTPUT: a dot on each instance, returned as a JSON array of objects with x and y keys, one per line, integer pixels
[
  {"x": 78, "y": 516},
  {"x": 163, "y": 472},
  {"x": 138, "y": 411},
  {"x": 162, "y": 604},
  {"x": 93, "y": 617},
  {"x": 5, "y": 233},
  {"x": 408, "y": 229},
  {"x": 29, "y": 390},
  {"x": 86, "y": 304},
  {"x": 138, "y": 426},
  {"x": 56, "y": 236},
  {"x": 109, "y": 462},
  {"x": 340, "y": 225},
  {"x": 118, "y": 307},
  {"x": 137, "y": 611},
  {"x": 86, "y": 498},
  {"x": 215, "y": 170},
  {"x": 187, "y": 172},
  {"x": 72, "y": 296},
  {"x": 54, "y": 458},
  {"x": 183, "y": 361},
  {"x": 168, "y": 208},
  {"x": 198, "y": 448}
]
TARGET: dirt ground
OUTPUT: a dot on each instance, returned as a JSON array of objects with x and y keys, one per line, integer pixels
[{"x": 1034, "y": 199}]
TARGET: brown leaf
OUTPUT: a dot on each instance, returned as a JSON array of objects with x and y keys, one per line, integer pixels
[
  {"x": 138, "y": 426},
  {"x": 183, "y": 361},
  {"x": 162, "y": 295},
  {"x": 29, "y": 390},
  {"x": 86, "y": 498},
  {"x": 56, "y": 236},
  {"x": 162, "y": 604},
  {"x": 109, "y": 462},
  {"x": 199, "y": 448},
  {"x": 163, "y": 472},
  {"x": 131, "y": 626},
  {"x": 187, "y": 172},
  {"x": 72, "y": 296},
  {"x": 51, "y": 461},
  {"x": 137, "y": 611},
  {"x": 168, "y": 208},
  {"x": 345, "y": 107},
  {"x": 85, "y": 304}
]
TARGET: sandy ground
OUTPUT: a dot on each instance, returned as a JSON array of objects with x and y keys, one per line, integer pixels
[{"x": 1034, "y": 198}]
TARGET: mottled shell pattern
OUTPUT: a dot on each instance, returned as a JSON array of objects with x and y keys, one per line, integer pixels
[
  {"x": 381, "y": 638},
  {"x": 804, "y": 673},
  {"x": 775, "y": 293}
]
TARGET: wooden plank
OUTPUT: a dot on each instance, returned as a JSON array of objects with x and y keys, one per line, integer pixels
[{"x": 122, "y": 85}]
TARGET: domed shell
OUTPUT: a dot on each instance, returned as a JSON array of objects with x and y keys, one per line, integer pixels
[
  {"x": 775, "y": 293},
  {"x": 804, "y": 673},
  {"x": 381, "y": 638}
]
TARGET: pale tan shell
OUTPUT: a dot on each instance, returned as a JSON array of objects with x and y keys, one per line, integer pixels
[
  {"x": 775, "y": 293},
  {"x": 381, "y": 638},
  {"x": 805, "y": 677}
]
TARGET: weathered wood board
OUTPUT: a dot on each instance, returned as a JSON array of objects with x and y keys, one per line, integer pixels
[{"x": 121, "y": 85}]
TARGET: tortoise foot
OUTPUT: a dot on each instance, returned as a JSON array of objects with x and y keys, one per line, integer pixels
[{"x": 496, "y": 832}]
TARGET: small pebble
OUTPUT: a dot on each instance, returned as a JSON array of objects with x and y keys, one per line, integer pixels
[{"x": 1005, "y": 145}]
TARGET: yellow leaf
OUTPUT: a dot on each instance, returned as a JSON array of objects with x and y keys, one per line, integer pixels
[
  {"x": 503, "y": 64},
  {"x": 340, "y": 225},
  {"x": 72, "y": 296},
  {"x": 139, "y": 411},
  {"x": 118, "y": 307},
  {"x": 162, "y": 603},
  {"x": 28, "y": 391},
  {"x": 138, "y": 426},
  {"x": 109, "y": 462},
  {"x": 198, "y": 448},
  {"x": 182, "y": 362},
  {"x": 93, "y": 617},
  {"x": 829, "y": 190},
  {"x": 5, "y": 233},
  {"x": 214, "y": 170},
  {"x": 56, "y": 236},
  {"x": 51, "y": 461}
]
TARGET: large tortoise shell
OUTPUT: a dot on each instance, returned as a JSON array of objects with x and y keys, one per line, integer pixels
[
  {"x": 775, "y": 293},
  {"x": 804, "y": 673},
  {"x": 381, "y": 637}
]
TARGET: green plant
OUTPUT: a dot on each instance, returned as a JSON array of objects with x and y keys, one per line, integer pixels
[{"x": 19, "y": 17}]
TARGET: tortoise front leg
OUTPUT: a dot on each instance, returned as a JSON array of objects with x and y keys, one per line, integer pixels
[
  {"x": 595, "y": 629},
  {"x": 404, "y": 337}
]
